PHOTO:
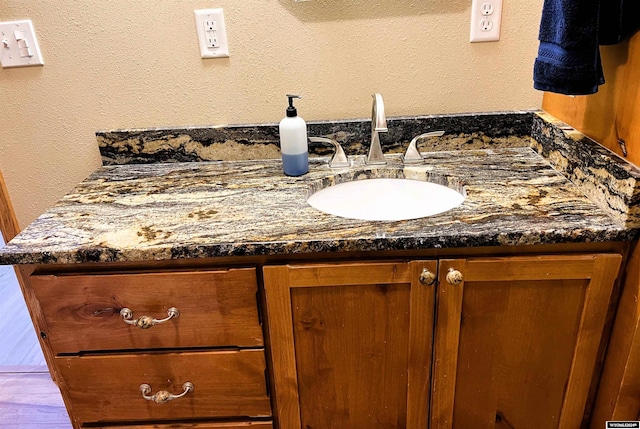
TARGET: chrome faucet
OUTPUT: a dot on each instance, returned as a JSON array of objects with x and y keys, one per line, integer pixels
[{"x": 378, "y": 125}]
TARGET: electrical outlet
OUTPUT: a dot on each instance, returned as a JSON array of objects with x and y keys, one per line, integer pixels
[
  {"x": 486, "y": 17},
  {"x": 486, "y": 24},
  {"x": 212, "y": 34},
  {"x": 486, "y": 8}
]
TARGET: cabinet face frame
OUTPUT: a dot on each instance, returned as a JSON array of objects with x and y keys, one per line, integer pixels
[
  {"x": 279, "y": 282},
  {"x": 599, "y": 271}
]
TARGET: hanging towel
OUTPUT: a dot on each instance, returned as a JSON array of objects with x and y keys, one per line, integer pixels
[
  {"x": 571, "y": 31},
  {"x": 568, "y": 58},
  {"x": 618, "y": 20}
]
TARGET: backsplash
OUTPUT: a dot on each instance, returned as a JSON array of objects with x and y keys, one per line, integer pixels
[
  {"x": 244, "y": 142},
  {"x": 608, "y": 180}
]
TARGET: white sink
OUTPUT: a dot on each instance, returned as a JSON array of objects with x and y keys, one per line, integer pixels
[{"x": 386, "y": 199}]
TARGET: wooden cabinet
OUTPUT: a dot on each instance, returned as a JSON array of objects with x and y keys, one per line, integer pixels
[
  {"x": 516, "y": 342},
  {"x": 239, "y": 425},
  {"x": 226, "y": 384},
  {"x": 104, "y": 356},
  {"x": 482, "y": 342},
  {"x": 216, "y": 308},
  {"x": 350, "y": 344},
  {"x": 493, "y": 343}
]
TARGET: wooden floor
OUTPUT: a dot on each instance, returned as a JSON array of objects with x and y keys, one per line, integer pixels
[
  {"x": 18, "y": 341},
  {"x": 28, "y": 397},
  {"x": 30, "y": 400}
]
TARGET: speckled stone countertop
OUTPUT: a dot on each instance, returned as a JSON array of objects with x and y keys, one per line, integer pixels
[{"x": 533, "y": 192}]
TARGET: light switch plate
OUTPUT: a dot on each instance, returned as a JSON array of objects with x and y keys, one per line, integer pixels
[
  {"x": 212, "y": 34},
  {"x": 18, "y": 45}
]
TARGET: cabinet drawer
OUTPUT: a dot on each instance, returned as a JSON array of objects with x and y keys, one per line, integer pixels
[
  {"x": 107, "y": 388},
  {"x": 238, "y": 425},
  {"x": 216, "y": 308}
]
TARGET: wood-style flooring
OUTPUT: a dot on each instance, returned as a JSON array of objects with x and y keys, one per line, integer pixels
[
  {"x": 18, "y": 341},
  {"x": 28, "y": 397},
  {"x": 30, "y": 400}
]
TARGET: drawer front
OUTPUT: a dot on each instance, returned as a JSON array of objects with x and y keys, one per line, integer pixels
[
  {"x": 226, "y": 384},
  {"x": 238, "y": 425},
  {"x": 216, "y": 308}
]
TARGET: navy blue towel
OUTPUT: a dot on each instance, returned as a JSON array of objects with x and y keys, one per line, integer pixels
[
  {"x": 619, "y": 19},
  {"x": 571, "y": 31}
]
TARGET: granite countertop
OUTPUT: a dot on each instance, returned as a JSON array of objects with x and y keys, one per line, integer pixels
[{"x": 535, "y": 193}]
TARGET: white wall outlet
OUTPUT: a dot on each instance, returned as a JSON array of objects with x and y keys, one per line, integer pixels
[
  {"x": 212, "y": 34},
  {"x": 486, "y": 17},
  {"x": 18, "y": 45}
]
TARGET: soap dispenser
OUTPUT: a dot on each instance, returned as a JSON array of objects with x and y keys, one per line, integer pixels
[{"x": 293, "y": 142}]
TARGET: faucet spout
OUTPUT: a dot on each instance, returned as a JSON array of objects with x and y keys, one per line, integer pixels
[{"x": 378, "y": 125}]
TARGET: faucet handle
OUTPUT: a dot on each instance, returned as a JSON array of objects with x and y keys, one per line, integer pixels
[
  {"x": 339, "y": 159},
  {"x": 412, "y": 155}
]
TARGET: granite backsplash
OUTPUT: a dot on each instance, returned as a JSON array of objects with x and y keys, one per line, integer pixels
[{"x": 243, "y": 142}]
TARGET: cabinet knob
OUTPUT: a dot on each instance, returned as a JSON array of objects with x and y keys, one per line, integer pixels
[
  {"x": 163, "y": 396},
  {"x": 454, "y": 277},
  {"x": 145, "y": 322},
  {"x": 427, "y": 278}
]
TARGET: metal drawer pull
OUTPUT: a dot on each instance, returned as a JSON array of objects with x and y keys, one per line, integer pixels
[
  {"x": 454, "y": 277},
  {"x": 427, "y": 278},
  {"x": 162, "y": 397},
  {"x": 145, "y": 322}
]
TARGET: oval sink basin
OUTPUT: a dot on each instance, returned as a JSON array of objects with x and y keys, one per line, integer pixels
[{"x": 386, "y": 199}]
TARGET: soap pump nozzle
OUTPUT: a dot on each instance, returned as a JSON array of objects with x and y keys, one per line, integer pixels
[{"x": 291, "y": 110}]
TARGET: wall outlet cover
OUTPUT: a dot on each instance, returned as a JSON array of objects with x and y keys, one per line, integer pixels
[
  {"x": 212, "y": 33},
  {"x": 486, "y": 19}
]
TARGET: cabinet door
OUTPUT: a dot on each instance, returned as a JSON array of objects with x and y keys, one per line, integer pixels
[
  {"x": 517, "y": 339},
  {"x": 351, "y": 344}
]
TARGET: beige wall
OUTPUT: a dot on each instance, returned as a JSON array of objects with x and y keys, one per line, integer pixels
[{"x": 123, "y": 63}]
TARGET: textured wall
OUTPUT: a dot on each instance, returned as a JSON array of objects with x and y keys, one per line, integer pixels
[{"x": 122, "y": 63}]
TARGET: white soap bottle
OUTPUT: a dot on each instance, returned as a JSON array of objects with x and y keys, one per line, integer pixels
[{"x": 293, "y": 142}]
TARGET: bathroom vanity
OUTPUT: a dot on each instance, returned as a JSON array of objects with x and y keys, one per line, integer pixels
[{"x": 211, "y": 295}]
